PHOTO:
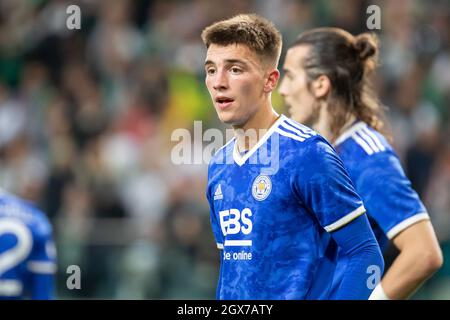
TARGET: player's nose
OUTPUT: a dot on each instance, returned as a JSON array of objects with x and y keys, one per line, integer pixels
[
  {"x": 220, "y": 81},
  {"x": 282, "y": 90}
]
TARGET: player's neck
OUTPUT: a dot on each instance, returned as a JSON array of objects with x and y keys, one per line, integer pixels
[
  {"x": 248, "y": 135},
  {"x": 323, "y": 125},
  {"x": 351, "y": 120}
]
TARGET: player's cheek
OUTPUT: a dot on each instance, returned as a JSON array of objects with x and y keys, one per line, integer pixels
[
  {"x": 247, "y": 88},
  {"x": 208, "y": 84}
]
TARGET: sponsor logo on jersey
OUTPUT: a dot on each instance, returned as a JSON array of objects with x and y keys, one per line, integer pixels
[
  {"x": 234, "y": 221},
  {"x": 218, "y": 195}
]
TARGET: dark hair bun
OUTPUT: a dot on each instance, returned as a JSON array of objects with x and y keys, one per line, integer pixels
[{"x": 366, "y": 45}]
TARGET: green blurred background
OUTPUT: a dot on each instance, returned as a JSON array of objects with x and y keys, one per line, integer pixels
[{"x": 86, "y": 118}]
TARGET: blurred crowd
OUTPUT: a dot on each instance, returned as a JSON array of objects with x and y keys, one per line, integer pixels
[{"x": 86, "y": 119}]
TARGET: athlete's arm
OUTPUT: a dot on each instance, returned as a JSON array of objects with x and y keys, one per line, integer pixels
[
  {"x": 420, "y": 256},
  {"x": 42, "y": 287},
  {"x": 396, "y": 207},
  {"x": 325, "y": 187},
  {"x": 216, "y": 231},
  {"x": 357, "y": 240},
  {"x": 42, "y": 268}
]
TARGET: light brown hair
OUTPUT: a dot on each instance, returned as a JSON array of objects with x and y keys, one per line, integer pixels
[{"x": 251, "y": 30}]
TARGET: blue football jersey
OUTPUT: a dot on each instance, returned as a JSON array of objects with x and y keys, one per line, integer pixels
[
  {"x": 272, "y": 211},
  {"x": 27, "y": 251},
  {"x": 392, "y": 205}
]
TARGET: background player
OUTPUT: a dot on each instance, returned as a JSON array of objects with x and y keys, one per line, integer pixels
[
  {"x": 326, "y": 86},
  {"x": 27, "y": 251},
  {"x": 278, "y": 226}
]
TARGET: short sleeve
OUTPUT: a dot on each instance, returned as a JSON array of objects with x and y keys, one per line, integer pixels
[
  {"x": 42, "y": 259},
  {"x": 323, "y": 184},
  {"x": 42, "y": 263},
  {"x": 388, "y": 195}
]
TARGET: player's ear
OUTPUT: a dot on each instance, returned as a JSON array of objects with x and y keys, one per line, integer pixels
[
  {"x": 271, "y": 80},
  {"x": 321, "y": 86}
]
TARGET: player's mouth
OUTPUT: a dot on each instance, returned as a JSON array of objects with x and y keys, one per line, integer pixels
[{"x": 224, "y": 102}]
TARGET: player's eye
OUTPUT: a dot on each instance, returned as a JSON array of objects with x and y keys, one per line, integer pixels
[
  {"x": 288, "y": 75},
  {"x": 235, "y": 70},
  {"x": 210, "y": 71}
]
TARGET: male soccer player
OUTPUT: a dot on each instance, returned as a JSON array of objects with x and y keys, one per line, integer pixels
[
  {"x": 281, "y": 203},
  {"x": 27, "y": 252},
  {"x": 326, "y": 86}
]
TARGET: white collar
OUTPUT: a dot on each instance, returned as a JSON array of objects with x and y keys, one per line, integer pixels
[
  {"x": 347, "y": 133},
  {"x": 240, "y": 160}
]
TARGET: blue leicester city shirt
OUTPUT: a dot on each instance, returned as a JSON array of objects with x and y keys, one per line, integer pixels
[
  {"x": 392, "y": 205},
  {"x": 27, "y": 251},
  {"x": 272, "y": 211}
]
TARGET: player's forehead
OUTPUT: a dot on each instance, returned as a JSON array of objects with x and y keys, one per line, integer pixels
[
  {"x": 296, "y": 56},
  {"x": 220, "y": 54}
]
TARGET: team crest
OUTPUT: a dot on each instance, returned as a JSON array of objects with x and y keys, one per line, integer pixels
[{"x": 261, "y": 188}]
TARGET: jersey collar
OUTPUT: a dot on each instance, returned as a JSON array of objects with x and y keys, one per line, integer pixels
[
  {"x": 240, "y": 159},
  {"x": 348, "y": 133}
]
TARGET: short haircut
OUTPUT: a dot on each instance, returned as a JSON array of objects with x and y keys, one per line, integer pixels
[{"x": 251, "y": 30}]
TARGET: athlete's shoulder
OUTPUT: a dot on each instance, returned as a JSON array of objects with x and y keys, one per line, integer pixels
[
  {"x": 301, "y": 142},
  {"x": 12, "y": 206},
  {"x": 362, "y": 140},
  {"x": 223, "y": 154},
  {"x": 294, "y": 132},
  {"x": 217, "y": 166}
]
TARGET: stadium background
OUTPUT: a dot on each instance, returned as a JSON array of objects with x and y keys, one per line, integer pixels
[{"x": 86, "y": 118}]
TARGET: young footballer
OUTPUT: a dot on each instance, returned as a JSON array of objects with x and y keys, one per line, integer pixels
[
  {"x": 281, "y": 201},
  {"x": 326, "y": 86}
]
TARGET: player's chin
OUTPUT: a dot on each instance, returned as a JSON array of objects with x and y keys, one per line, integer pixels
[{"x": 227, "y": 117}]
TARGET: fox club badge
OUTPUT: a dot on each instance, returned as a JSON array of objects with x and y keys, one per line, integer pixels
[{"x": 261, "y": 188}]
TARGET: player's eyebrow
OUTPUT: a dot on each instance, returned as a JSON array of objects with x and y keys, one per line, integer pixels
[
  {"x": 236, "y": 61},
  {"x": 228, "y": 61}
]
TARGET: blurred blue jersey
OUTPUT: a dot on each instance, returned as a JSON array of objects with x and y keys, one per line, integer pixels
[
  {"x": 392, "y": 205},
  {"x": 272, "y": 211},
  {"x": 27, "y": 251}
]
